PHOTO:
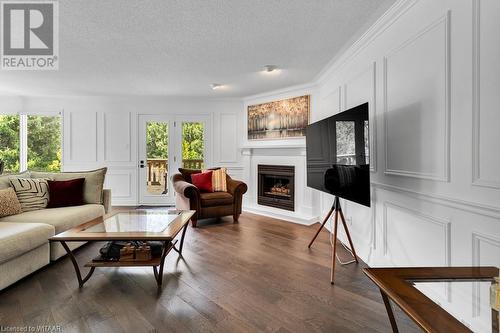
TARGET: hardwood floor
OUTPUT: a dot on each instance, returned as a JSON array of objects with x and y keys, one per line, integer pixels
[{"x": 257, "y": 275}]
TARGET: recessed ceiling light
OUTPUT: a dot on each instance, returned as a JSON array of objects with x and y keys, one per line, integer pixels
[
  {"x": 270, "y": 68},
  {"x": 216, "y": 86}
]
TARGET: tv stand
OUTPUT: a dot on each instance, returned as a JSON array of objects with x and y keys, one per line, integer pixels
[{"x": 338, "y": 211}]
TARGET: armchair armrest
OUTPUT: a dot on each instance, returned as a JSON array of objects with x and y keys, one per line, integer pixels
[
  {"x": 236, "y": 187},
  {"x": 184, "y": 188},
  {"x": 187, "y": 196}
]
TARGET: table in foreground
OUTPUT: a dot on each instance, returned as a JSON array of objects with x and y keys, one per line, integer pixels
[
  {"x": 136, "y": 225},
  {"x": 414, "y": 291}
]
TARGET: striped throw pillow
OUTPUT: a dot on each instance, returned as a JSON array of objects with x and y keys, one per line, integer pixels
[
  {"x": 219, "y": 179},
  {"x": 33, "y": 193}
]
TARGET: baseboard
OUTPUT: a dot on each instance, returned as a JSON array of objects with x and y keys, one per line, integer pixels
[{"x": 280, "y": 214}]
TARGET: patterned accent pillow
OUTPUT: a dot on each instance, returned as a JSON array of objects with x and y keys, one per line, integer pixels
[
  {"x": 219, "y": 179},
  {"x": 33, "y": 193},
  {"x": 9, "y": 204}
]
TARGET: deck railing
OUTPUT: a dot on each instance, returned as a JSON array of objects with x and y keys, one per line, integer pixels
[{"x": 157, "y": 173}]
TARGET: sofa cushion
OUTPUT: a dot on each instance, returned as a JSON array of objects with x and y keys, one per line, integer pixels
[
  {"x": 9, "y": 204},
  {"x": 92, "y": 188},
  {"x": 18, "y": 238},
  {"x": 216, "y": 199},
  {"x": 33, "y": 193},
  {"x": 5, "y": 179},
  {"x": 62, "y": 219}
]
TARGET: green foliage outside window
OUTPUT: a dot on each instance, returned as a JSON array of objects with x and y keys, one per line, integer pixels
[
  {"x": 44, "y": 143},
  {"x": 192, "y": 141},
  {"x": 157, "y": 140},
  {"x": 9, "y": 142},
  {"x": 43, "y": 140}
]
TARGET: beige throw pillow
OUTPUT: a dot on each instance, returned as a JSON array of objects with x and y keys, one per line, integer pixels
[
  {"x": 218, "y": 179},
  {"x": 32, "y": 193},
  {"x": 92, "y": 187},
  {"x": 9, "y": 204}
]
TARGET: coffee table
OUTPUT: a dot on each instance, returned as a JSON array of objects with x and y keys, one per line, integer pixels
[{"x": 136, "y": 225}]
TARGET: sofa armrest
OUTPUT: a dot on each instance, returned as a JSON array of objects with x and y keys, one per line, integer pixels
[{"x": 106, "y": 199}]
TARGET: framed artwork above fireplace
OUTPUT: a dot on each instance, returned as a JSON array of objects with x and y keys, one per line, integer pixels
[{"x": 282, "y": 119}]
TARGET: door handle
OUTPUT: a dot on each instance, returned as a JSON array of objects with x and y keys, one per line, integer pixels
[{"x": 141, "y": 164}]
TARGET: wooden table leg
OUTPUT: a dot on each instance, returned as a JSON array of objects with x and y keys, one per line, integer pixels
[
  {"x": 159, "y": 273},
  {"x": 81, "y": 281},
  {"x": 390, "y": 313},
  {"x": 182, "y": 238}
]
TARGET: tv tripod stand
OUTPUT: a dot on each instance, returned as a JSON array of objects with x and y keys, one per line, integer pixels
[{"x": 338, "y": 211}]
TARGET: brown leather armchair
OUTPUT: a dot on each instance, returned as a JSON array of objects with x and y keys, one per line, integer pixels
[{"x": 207, "y": 205}]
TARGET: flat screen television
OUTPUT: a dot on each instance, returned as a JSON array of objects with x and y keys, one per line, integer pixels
[{"x": 338, "y": 155}]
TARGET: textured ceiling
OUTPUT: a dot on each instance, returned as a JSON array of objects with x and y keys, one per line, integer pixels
[{"x": 177, "y": 48}]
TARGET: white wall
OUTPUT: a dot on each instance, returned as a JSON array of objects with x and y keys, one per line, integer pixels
[
  {"x": 102, "y": 131},
  {"x": 431, "y": 73}
]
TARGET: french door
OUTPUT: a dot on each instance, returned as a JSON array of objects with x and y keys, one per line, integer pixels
[
  {"x": 167, "y": 143},
  {"x": 155, "y": 159}
]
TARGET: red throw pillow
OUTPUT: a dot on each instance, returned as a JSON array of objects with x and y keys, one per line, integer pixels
[
  {"x": 203, "y": 181},
  {"x": 66, "y": 193}
]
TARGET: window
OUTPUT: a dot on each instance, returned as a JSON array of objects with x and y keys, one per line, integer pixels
[
  {"x": 193, "y": 145},
  {"x": 30, "y": 142}
]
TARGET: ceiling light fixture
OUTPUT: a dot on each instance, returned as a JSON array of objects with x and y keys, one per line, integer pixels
[
  {"x": 270, "y": 68},
  {"x": 216, "y": 86}
]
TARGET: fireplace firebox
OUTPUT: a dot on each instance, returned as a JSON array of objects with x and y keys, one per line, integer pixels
[{"x": 276, "y": 186}]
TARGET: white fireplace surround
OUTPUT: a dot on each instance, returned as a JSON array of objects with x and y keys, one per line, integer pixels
[{"x": 277, "y": 154}]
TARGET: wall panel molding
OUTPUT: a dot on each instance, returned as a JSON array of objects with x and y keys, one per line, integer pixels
[
  {"x": 444, "y": 175},
  {"x": 464, "y": 205},
  {"x": 476, "y": 100},
  {"x": 127, "y": 136},
  {"x": 372, "y": 72},
  {"x": 228, "y": 155},
  {"x": 445, "y": 224},
  {"x": 88, "y": 133}
]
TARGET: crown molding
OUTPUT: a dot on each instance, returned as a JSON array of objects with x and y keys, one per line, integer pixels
[{"x": 385, "y": 21}]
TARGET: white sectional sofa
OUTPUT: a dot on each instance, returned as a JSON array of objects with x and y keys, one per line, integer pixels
[{"x": 24, "y": 245}]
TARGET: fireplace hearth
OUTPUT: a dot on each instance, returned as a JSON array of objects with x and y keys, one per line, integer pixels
[{"x": 276, "y": 186}]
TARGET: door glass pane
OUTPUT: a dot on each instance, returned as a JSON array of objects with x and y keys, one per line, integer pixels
[
  {"x": 157, "y": 157},
  {"x": 193, "y": 145},
  {"x": 9, "y": 143},
  {"x": 44, "y": 143},
  {"x": 346, "y": 144}
]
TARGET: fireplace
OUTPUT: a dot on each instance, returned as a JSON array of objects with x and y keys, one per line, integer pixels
[{"x": 276, "y": 186}]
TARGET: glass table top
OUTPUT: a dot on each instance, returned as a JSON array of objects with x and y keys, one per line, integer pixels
[
  {"x": 467, "y": 301},
  {"x": 136, "y": 221}
]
